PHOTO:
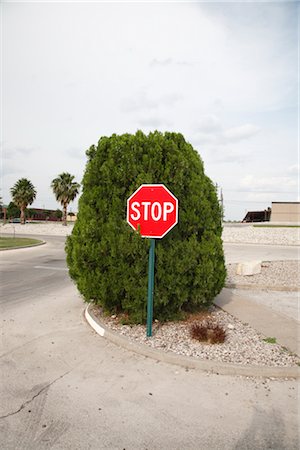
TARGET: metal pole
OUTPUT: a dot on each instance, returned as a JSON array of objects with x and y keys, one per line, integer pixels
[{"x": 150, "y": 287}]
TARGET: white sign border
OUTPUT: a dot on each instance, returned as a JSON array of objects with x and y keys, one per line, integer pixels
[{"x": 152, "y": 185}]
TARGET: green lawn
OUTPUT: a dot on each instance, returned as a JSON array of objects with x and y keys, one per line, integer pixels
[{"x": 9, "y": 242}]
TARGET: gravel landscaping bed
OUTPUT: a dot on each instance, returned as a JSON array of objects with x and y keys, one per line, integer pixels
[
  {"x": 255, "y": 235},
  {"x": 242, "y": 345},
  {"x": 231, "y": 234},
  {"x": 45, "y": 228},
  {"x": 274, "y": 275}
]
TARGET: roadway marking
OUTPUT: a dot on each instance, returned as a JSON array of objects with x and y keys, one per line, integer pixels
[{"x": 50, "y": 268}]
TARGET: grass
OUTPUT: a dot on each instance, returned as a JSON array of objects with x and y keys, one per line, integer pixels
[
  {"x": 9, "y": 242},
  {"x": 270, "y": 340}
]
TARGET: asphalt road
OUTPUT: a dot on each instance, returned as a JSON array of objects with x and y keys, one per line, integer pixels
[
  {"x": 64, "y": 387},
  {"x": 235, "y": 253},
  {"x": 33, "y": 271}
]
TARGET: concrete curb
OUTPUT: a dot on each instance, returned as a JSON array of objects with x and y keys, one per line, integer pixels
[
  {"x": 215, "y": 367},
  {"x": 23, "y": 246},
  {"x": 294, "y": 244},
  {"x": 261, "y": 287}
]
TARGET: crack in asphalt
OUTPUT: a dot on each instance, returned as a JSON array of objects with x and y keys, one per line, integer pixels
[{"x": 35, "y": 396}]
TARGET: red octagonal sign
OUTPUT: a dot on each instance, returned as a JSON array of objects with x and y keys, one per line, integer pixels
[{"x": 153, "y": 209}]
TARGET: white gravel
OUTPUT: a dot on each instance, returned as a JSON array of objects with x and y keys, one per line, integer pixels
[
  {"x": 275, "y": 275},
  {"x": 264, "y": 235},
  {"x": 241, "y": 233},
  {"x": 243, "y": 345},
  {"x": 45, "y": 228}
]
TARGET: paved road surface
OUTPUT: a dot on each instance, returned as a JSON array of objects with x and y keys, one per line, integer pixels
[
  {"x": 64, "y": 387},
  {"x": 235, "y": 253},
  {"x": 33, "y": 271}
]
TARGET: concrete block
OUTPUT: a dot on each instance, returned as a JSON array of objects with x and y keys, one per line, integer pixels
[{"x": 248, "y": 268}]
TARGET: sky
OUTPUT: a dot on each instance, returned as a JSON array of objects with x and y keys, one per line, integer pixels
[{"x": 224, "y": 74}]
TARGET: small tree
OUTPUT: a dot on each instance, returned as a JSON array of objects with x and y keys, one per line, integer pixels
[
  {"x": 31, "y": 212},
  {"x": 65, "y": 191},
  {"x": 12, "y": 210},
  {"x": 108, "y": 260},
  {"x": 23, "y": 194},
  {"x": 58, "y": 214}
]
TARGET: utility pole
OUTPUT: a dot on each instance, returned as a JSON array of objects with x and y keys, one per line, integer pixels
[
  {"x": 220, "y": 199},
  {"x": 222, "y": 203}
]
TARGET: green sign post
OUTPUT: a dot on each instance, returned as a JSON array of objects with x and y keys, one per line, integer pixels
[
  {"x": 150, "y": 287},
  {"x": 153, "y": 210}
]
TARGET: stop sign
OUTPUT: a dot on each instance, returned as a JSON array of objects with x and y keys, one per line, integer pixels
[{"x": 153, "y": 209}]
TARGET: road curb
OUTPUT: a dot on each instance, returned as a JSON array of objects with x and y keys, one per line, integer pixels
[
  {"x": 261, "y": 287},
  {"x": 294, "y": 244},
  {"x": 215, "y": 367}
]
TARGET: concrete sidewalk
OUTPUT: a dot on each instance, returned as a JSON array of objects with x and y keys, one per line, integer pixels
[{"x": 261, "y": 318}]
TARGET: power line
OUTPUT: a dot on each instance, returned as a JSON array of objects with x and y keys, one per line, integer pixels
[
  {"x": 246, "y": 201},
  {"x": 259, "y": 192}
]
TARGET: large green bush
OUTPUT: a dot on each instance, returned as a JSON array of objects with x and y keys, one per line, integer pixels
[{"x": 109, "y": 261}]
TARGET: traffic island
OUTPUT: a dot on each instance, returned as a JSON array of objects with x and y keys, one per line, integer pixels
[
  {"x": 11, "y": 243},
  {"x": 211, "y": 366}
]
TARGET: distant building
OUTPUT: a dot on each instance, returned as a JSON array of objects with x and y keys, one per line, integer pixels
[
  {"x": 71, "y": 217},
  {"x": 258, "y": 216},
  {"x": 40, "y": 214},
  {"x": 285, "y": 212}
]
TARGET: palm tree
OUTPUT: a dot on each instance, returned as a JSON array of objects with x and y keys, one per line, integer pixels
[
  {"x": 23, "y": 194},
  {"x": 65, "y": 191}
]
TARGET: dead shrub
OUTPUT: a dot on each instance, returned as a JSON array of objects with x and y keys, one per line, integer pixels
[{"x": 208, "y": 331}]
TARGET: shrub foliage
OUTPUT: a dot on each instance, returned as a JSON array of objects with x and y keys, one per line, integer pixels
[{"x": 109, "y": 261}]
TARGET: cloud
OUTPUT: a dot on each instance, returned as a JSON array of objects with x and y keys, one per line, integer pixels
[
  {"x": 154, "y": 122},
  {"x": 237, "y": 134},
  {"x": 169, "y": 62},
  {"x": 210, "y": 129},
  {"x": 222, "y": 145},
  {"x": 77, "y": 153},
  {"x": 18, "y": 152},
  {"x": 234, "y": 156},
  {"x": 9, "y": 168},
  {"x": 293, "y": 170},
  {"x": 268, "y": 185},
  {"x": 170, "y": 99},
  {"x": 209, "y": 124},
  {"x": 138, "y": 102},
  {"x": 260, "y": 197},
  {"x": 143, "y": 101},
  {"x": 14, "y": 160}
]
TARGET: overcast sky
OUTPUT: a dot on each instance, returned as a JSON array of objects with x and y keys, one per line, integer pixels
[{"x": 224, "y": 74}]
